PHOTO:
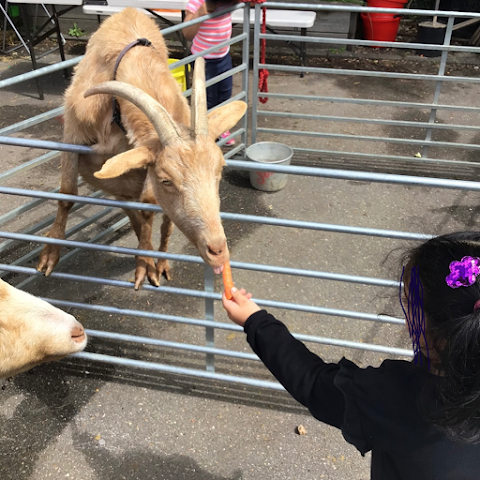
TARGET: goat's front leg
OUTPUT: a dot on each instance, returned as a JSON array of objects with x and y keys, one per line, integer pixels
[
  {"x": 142, "y": 225},
  {"x": 50, "y": 254},
  {"x": 163, "y": 268}
]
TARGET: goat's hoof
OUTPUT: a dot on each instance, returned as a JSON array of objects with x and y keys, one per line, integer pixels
[
  {"x": 163, "y": 269},
  {"x": 146, "y": 268},
  {"x": 153, "y": 279},
  {"x": 49, "y": 258}
]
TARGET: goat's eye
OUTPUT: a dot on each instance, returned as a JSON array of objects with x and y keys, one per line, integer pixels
[{"x": 167, "y": 183}]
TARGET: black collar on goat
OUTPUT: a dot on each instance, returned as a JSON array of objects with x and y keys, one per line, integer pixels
[{"x": 116, "y": 115}]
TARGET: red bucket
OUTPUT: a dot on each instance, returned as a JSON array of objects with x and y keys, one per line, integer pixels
[
  {"x": 380, "y": 26},
  {"x": 386, "y": 3}
]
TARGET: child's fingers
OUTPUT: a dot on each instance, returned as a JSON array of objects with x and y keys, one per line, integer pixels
[
  {"x": 245, "y": 294},
  {"x": 238, "y": 295}
]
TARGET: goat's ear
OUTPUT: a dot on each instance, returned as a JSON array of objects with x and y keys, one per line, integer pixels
[
  {"x": 224, "y": 118},
  {"x": 124, "y": 162}
]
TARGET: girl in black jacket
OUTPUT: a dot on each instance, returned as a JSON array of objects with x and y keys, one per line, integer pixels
[{"x": 420, "y": 419}]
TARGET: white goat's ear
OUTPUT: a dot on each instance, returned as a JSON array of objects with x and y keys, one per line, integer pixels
[
  {"x": 124, "y": 162},
  {"x": 224, "y": 118}
]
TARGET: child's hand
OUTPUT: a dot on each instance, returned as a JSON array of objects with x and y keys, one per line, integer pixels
[{"x": 240, "y": 307}]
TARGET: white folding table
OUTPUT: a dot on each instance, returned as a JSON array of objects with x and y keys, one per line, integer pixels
[{"x": 171, "y": 11}]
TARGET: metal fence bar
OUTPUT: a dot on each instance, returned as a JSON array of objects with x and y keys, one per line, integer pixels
[
  {"x": 30, "y": 122},
  {"x": 256, "y": 71},
  {"x": 44, "y": 223},
  {"x": 127, "y": 362},
  {"x": 367, "y": 101},
  {"x": 191, "y": 58},
  {"x": 234, "y": 151},
  {"x": 49, "y": 145},
  {"x": 13, "y": 172},
  {"x": 121, "y": 223},
  {"x": 371, "y": 232},
  {"x": 29, "y": 206},
  {"x": 294, "y": 170},
  {"x": 245, "y": 73},
  {"x": 45, "y": 145},
  {"x": 371, "y": 121},
  {"x": 366, "y": 73},
  {"x": 398, "y": 158},
  {"x": 370, "y": 138},
  {"x": 225, "y": 326},
  {"x": 39, "y": 72},
  {"x": 209, "y": 350},
  {"x": 209, "y": 315},
  {"x": 368, "y": 43},
  {"x": 260, "y": 220},
  {"x": 217, "y": 13},
  {"x": 203, "y": 294},
  {"x": 438, "y": 85},
  {"x": 339, "y": 277},
  {"x": 24, "y": 208},
  {"x": 34, "y": 253},
  {"x": 353, "y": 8},
  {"x": 223, "y": 141}
]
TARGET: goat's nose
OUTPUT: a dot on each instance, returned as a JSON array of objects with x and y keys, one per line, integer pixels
[
  {"x": 78, "y": 334},
  {"x": 217, "y": 248},
  {"x": 213, "y": 251}
]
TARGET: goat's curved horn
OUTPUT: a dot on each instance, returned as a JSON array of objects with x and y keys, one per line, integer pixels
[
  {"x": 163, "y": 123},
  {"x": 199, "y": 99}
]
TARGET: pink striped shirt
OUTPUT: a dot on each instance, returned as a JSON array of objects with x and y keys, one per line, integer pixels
[{"x": 211, "y": 32}]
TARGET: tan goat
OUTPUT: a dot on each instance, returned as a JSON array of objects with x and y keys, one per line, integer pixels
[
  {"x": 32, "y": 332},
  {"x": 166, "y": 155}
]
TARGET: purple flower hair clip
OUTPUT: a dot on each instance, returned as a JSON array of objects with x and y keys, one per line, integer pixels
[{"x": 463, "y": 273}]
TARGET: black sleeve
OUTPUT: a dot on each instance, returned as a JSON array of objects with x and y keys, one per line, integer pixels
[{"x": 303, "y": 374}]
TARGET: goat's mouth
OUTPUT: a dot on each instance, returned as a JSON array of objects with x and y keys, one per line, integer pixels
[
  {"x": 216, "y": 260},
  {"x": 218, "y": 270},
  {"x": 215, "y": 254},
  {"x": 80, "y": 341}
]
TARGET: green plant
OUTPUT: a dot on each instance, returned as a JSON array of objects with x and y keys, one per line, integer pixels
[
  {"x": 76, "y": 31},
  {"x": 337, "y": 50}
]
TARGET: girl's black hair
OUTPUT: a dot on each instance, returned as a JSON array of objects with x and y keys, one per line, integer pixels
[
  {"x": 453, "y": 332},
  {"x": 213, "y": 5}
]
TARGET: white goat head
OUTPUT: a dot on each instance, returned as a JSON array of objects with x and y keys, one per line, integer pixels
[
  {"x": 184, "y": 165},
  {"x": 32, "y": 332}
]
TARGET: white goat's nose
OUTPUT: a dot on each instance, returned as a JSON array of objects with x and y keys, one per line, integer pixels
[{"x": 78, "y": 333}]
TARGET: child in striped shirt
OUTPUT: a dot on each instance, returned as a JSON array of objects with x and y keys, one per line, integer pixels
[{"x": 205, "y": 35}]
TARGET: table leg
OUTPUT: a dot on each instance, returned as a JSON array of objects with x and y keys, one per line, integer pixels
[
  {"x": 54, "y": 17},
  {"x": 303, "y": 51},
  {"x": 26, "y": 24}
]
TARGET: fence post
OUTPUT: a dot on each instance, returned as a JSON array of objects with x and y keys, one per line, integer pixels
[
  {"x": 209, "y": 315},
  {"x": 245, "y": 73},
  {"x": 256, "y": 59}
]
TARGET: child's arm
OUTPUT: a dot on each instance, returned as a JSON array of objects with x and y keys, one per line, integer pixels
[
  {"x": 303, "y": 374},
  {"x": 240, "y": 307},
  {"x": 191, "y": 14}
]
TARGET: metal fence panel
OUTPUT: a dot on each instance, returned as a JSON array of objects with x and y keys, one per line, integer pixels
[{"x": 179, "y": 327}]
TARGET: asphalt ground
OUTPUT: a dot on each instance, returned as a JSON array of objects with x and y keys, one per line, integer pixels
[{"x": 91, "y": 421}]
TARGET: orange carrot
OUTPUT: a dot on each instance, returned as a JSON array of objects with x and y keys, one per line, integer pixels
[{"x": 227, "y": 280}]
